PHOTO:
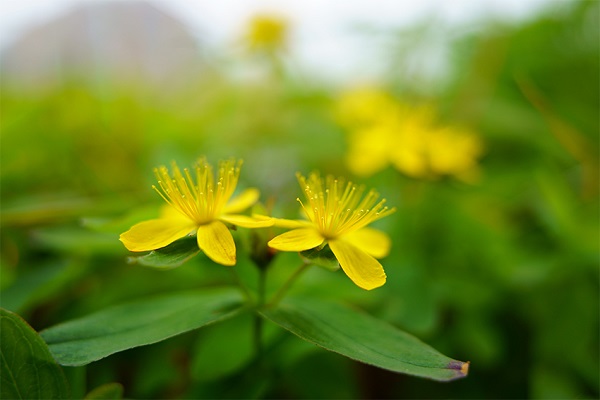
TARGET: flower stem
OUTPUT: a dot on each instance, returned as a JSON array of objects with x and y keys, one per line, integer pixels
[
  {"x": 258, "y": 321},
  {"x": 285, "y": 287},
  {"x": 262, "y": 279},
  {"x": 257, "y": 335},
  {"x": 240, "y": 284}
]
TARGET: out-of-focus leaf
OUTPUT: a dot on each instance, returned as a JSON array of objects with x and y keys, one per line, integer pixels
[
  {"x": 551, "y": 382},
  {"x": 78, "y": 382},
  {"x": 27, "y": 369},
  {"x": 562, "y": 212},
  {"x": 120, "y": 224},
  {"x": 109, "y": 391},
  {"x": 35, "y": 211},
  {"x": 223, "y": 349},
  {"x": 35, "y": 285},
  {"x": 363, "y": 338},
  {"x": 32, "y": 210},
  {"x": 212, "y": 360},
  {"x": 410, "y": 300},
  {"x": 7, "y": 275},
  {"x": 76, "y": 240},
  {"x": 139, "y": 323},
  {"x": 171, "y": 256},
  {"x": 317, "y": 375}
]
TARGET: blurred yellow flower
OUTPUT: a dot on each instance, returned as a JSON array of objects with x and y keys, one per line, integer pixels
[
  {"x": 201, "y": 203},
  {"x": 383, "y": 131},
  {"x": 365, "y": 106},
  {"x": 454, "y": 151},
  {"x": 338, "y": 215},
  {"x": 267, "y": 32}
]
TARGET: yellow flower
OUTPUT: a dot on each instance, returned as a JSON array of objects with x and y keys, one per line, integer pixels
[
  {"x": 454, "y": 151},
  {"x": 200, "y": 203},
  {"x": 338, "y": 215},
  {"x": 364, "y": 106},
  {"x": 267, "y": 32},
  {"x": 384, "y": 132},
  {"x": 396, "y": 138}
]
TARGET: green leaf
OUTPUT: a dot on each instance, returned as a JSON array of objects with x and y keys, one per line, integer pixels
[
  {"x": 27, "y": 369},
  {"x": 34, "y": 286},
  {"x": 76, "y": 240},
  {"x": 35, "y": 210},
  {"x": 109, "y": 391},
  {"x": 171, "y": 256},
  {"x": 139, "y": 323},
  {"x": 211, "y": 360},
  {"x": 363, "y": 338},
  {"x": 322, "y": 257},
  {"x": 122, "y": 223}
]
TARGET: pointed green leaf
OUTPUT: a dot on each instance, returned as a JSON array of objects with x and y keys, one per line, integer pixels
[
  {"x": 109, "y": 391},
  {"x": 359, "y": 336},
  {"x": 142, "y": 322},
  {"x": 171, "y": 256},
  {"x": 27, "y": 369}
]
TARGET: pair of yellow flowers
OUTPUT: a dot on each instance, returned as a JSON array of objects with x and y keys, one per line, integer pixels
[{"x": 337, "y": 215}]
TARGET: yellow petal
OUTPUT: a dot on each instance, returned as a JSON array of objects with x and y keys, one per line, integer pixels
[
  {"x": 215, "y": 240},
  {"x": 368, "y": 148},
  {"x": 297, "y": 240},
  {"x": 247, "y": 222},
  {"x": 241, "y": 202},
  {"x": 290, "y": 223},
  {"x": 371, "y": 241},
  {"x": 364, "y": 270},
  {"x": 156, "y": 233},
  {"x": 410, "y": 157}
]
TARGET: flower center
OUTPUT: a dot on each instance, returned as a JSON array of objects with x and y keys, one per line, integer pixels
[
  {"x": 337, "y": 208},
  {"x": 202, "y": 197}
]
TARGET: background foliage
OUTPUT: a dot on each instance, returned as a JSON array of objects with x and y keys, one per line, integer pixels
[{"x": 502, "y": 271}]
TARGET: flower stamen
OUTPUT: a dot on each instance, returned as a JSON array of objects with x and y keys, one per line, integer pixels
[
  {"x": 198, "y": 200},
  {"x": 336, "y": 212}
]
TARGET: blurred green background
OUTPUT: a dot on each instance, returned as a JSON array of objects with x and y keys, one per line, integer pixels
[{"x": 501, "y": 270}]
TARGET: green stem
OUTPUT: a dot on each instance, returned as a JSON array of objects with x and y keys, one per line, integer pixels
[
  {"x": 262, "y": 279},
  {"x": 240, "y": 284},
  {"x": 257, "y": 335},
  {"x": 285, "y": 287},
  {"x": 258, "y": 321}
]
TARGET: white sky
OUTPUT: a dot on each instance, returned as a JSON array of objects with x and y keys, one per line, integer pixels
[{"x": 320, "y": 27}]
